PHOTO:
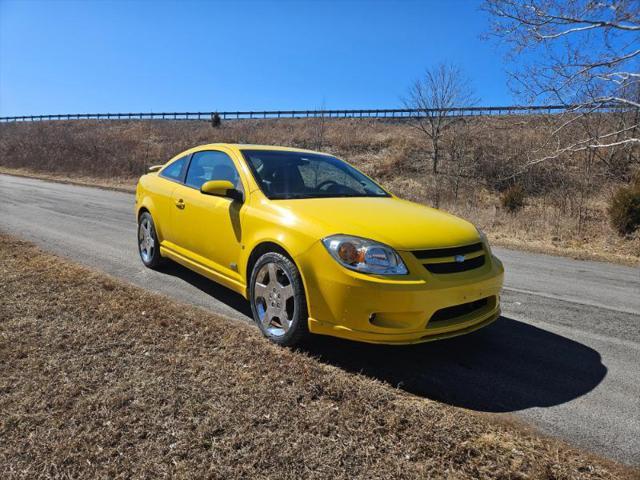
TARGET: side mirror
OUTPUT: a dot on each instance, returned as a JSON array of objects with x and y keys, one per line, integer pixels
[
  {"x": 155, "y": 168},
  {"x": 221, "y": 188}
]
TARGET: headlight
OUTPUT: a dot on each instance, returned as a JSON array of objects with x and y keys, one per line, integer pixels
[{"x": 364, "y": 255}]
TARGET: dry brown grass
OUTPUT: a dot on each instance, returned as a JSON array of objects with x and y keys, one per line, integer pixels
[
  {"x": 99, "y": 379},
  {"x": 565, "y": 209}
]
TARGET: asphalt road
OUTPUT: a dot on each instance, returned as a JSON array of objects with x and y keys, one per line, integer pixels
[{"x": 565, "y": 356}]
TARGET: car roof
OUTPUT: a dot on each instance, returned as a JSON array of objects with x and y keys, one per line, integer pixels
[{"x": 246, "y": 146}]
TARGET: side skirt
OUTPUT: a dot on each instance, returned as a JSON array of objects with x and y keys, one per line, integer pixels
[{"x": 204, "y": 271}]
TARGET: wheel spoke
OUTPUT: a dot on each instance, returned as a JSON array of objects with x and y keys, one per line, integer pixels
[
  {"x": 260, "y": 290},
  {"x": 284, "y": 321},
  {"x": 272, "y": 274},
  {"x": 286, "y": 292},
  {"x": 261, "y": 275}
]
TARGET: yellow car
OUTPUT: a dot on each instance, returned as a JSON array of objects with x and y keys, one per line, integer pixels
[{"x": 316, "y": 246}]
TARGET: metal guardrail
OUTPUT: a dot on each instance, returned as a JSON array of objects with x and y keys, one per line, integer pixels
[{"x": 377, "y": 113}]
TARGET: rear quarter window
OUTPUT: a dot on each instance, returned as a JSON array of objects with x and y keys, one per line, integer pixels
[{"x": 175, "y": 170}]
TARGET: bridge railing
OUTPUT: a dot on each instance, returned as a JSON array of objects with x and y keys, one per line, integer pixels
[{"x": 364, "y": 113}]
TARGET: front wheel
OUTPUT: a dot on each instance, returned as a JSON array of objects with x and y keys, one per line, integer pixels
[
  {"x": 277, "y": 299},
  {"x": 148, "y": 244}
]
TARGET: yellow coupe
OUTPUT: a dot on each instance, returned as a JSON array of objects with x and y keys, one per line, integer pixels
[{"x": 316, "y": 246}]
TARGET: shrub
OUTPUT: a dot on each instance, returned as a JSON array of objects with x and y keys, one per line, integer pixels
[
  {"x": 513, "y": 198},
  {"x": 624, "y": 209}
]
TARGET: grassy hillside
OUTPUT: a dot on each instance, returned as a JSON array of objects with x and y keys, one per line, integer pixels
[
  {"x": 564, "y": 199},
  {"x": 99, "y": 379}
]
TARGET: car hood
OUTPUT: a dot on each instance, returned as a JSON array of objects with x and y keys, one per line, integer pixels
[{"x": 398, "y": 223}]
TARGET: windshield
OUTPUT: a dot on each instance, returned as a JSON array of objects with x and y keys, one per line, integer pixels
[{"x": 285, "y": 175}]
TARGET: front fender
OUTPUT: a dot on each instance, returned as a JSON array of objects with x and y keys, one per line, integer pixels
[{"x": 292, "y": 242}]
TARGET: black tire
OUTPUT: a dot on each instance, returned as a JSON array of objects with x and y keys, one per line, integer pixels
[
  {"x": 296, "y": 315},
  {"x": 150, "y": 255}
]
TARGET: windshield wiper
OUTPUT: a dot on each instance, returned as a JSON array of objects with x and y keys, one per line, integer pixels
[
  {"x": 331, "y": 195},
  {"x": 292, "y": 196}
]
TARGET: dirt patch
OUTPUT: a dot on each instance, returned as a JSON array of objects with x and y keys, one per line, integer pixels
[{"x": 101, "y": 379}]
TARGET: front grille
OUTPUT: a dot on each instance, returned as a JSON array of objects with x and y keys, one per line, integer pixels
[
  {"x": 443, "y": 260},
  {"x": 458, "y": 310},
  {"x": 455, "y": 267},
  {"x": 447, "y": 252}
]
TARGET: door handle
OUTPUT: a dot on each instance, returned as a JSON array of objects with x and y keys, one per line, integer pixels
[{"x": 180, "y": 204}]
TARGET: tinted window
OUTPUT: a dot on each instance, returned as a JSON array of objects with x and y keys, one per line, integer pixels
[
  {"x": 211, "y": 165},
  {"x": 283, "y": 174},
  {"x": 174, "y": 171}
]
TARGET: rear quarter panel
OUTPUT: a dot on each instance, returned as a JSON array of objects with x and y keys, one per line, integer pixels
[{"x": 153, "y": 193}]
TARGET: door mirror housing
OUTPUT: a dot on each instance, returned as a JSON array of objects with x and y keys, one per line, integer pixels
[{"x": 221, "y": 188}]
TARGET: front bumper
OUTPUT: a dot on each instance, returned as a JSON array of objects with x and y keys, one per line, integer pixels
[{"x": 397, "y": 309}]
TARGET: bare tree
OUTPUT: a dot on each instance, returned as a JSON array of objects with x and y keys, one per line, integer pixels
[
  {"x": 458, "y": 146},
  {"x": 584, "y": 54},
  {"x": 319, "y": 127},
  {"x": 439, "y": 90}
]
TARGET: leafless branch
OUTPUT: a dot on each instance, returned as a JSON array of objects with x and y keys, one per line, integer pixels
[
  {"x": 580, "y": 146},
  {"x": 579, "y": 52}
]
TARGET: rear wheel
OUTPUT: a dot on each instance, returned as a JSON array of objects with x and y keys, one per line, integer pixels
[
  {"x": 148, "y": 244},
  {"x": 277, "y": 299}
]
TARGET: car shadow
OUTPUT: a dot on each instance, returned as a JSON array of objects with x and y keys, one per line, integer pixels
[
  {"x": 213, "y": 289},
  {"x": 505, "y": 367}
]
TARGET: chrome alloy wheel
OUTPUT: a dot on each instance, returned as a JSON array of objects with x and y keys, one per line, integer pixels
[
  {"x": 146, "y": 241},
  {"x": 274, "y": 299}
]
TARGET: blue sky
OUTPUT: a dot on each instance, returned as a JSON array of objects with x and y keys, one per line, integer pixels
[{"x": 101, "y": 56}]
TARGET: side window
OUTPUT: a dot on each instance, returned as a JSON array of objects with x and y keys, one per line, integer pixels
[
  {"x": 212, "y": 165},
  {"x": 174, "y": 171}
]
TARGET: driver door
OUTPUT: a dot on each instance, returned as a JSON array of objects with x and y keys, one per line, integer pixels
[{"x": 208, "y": 228}]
